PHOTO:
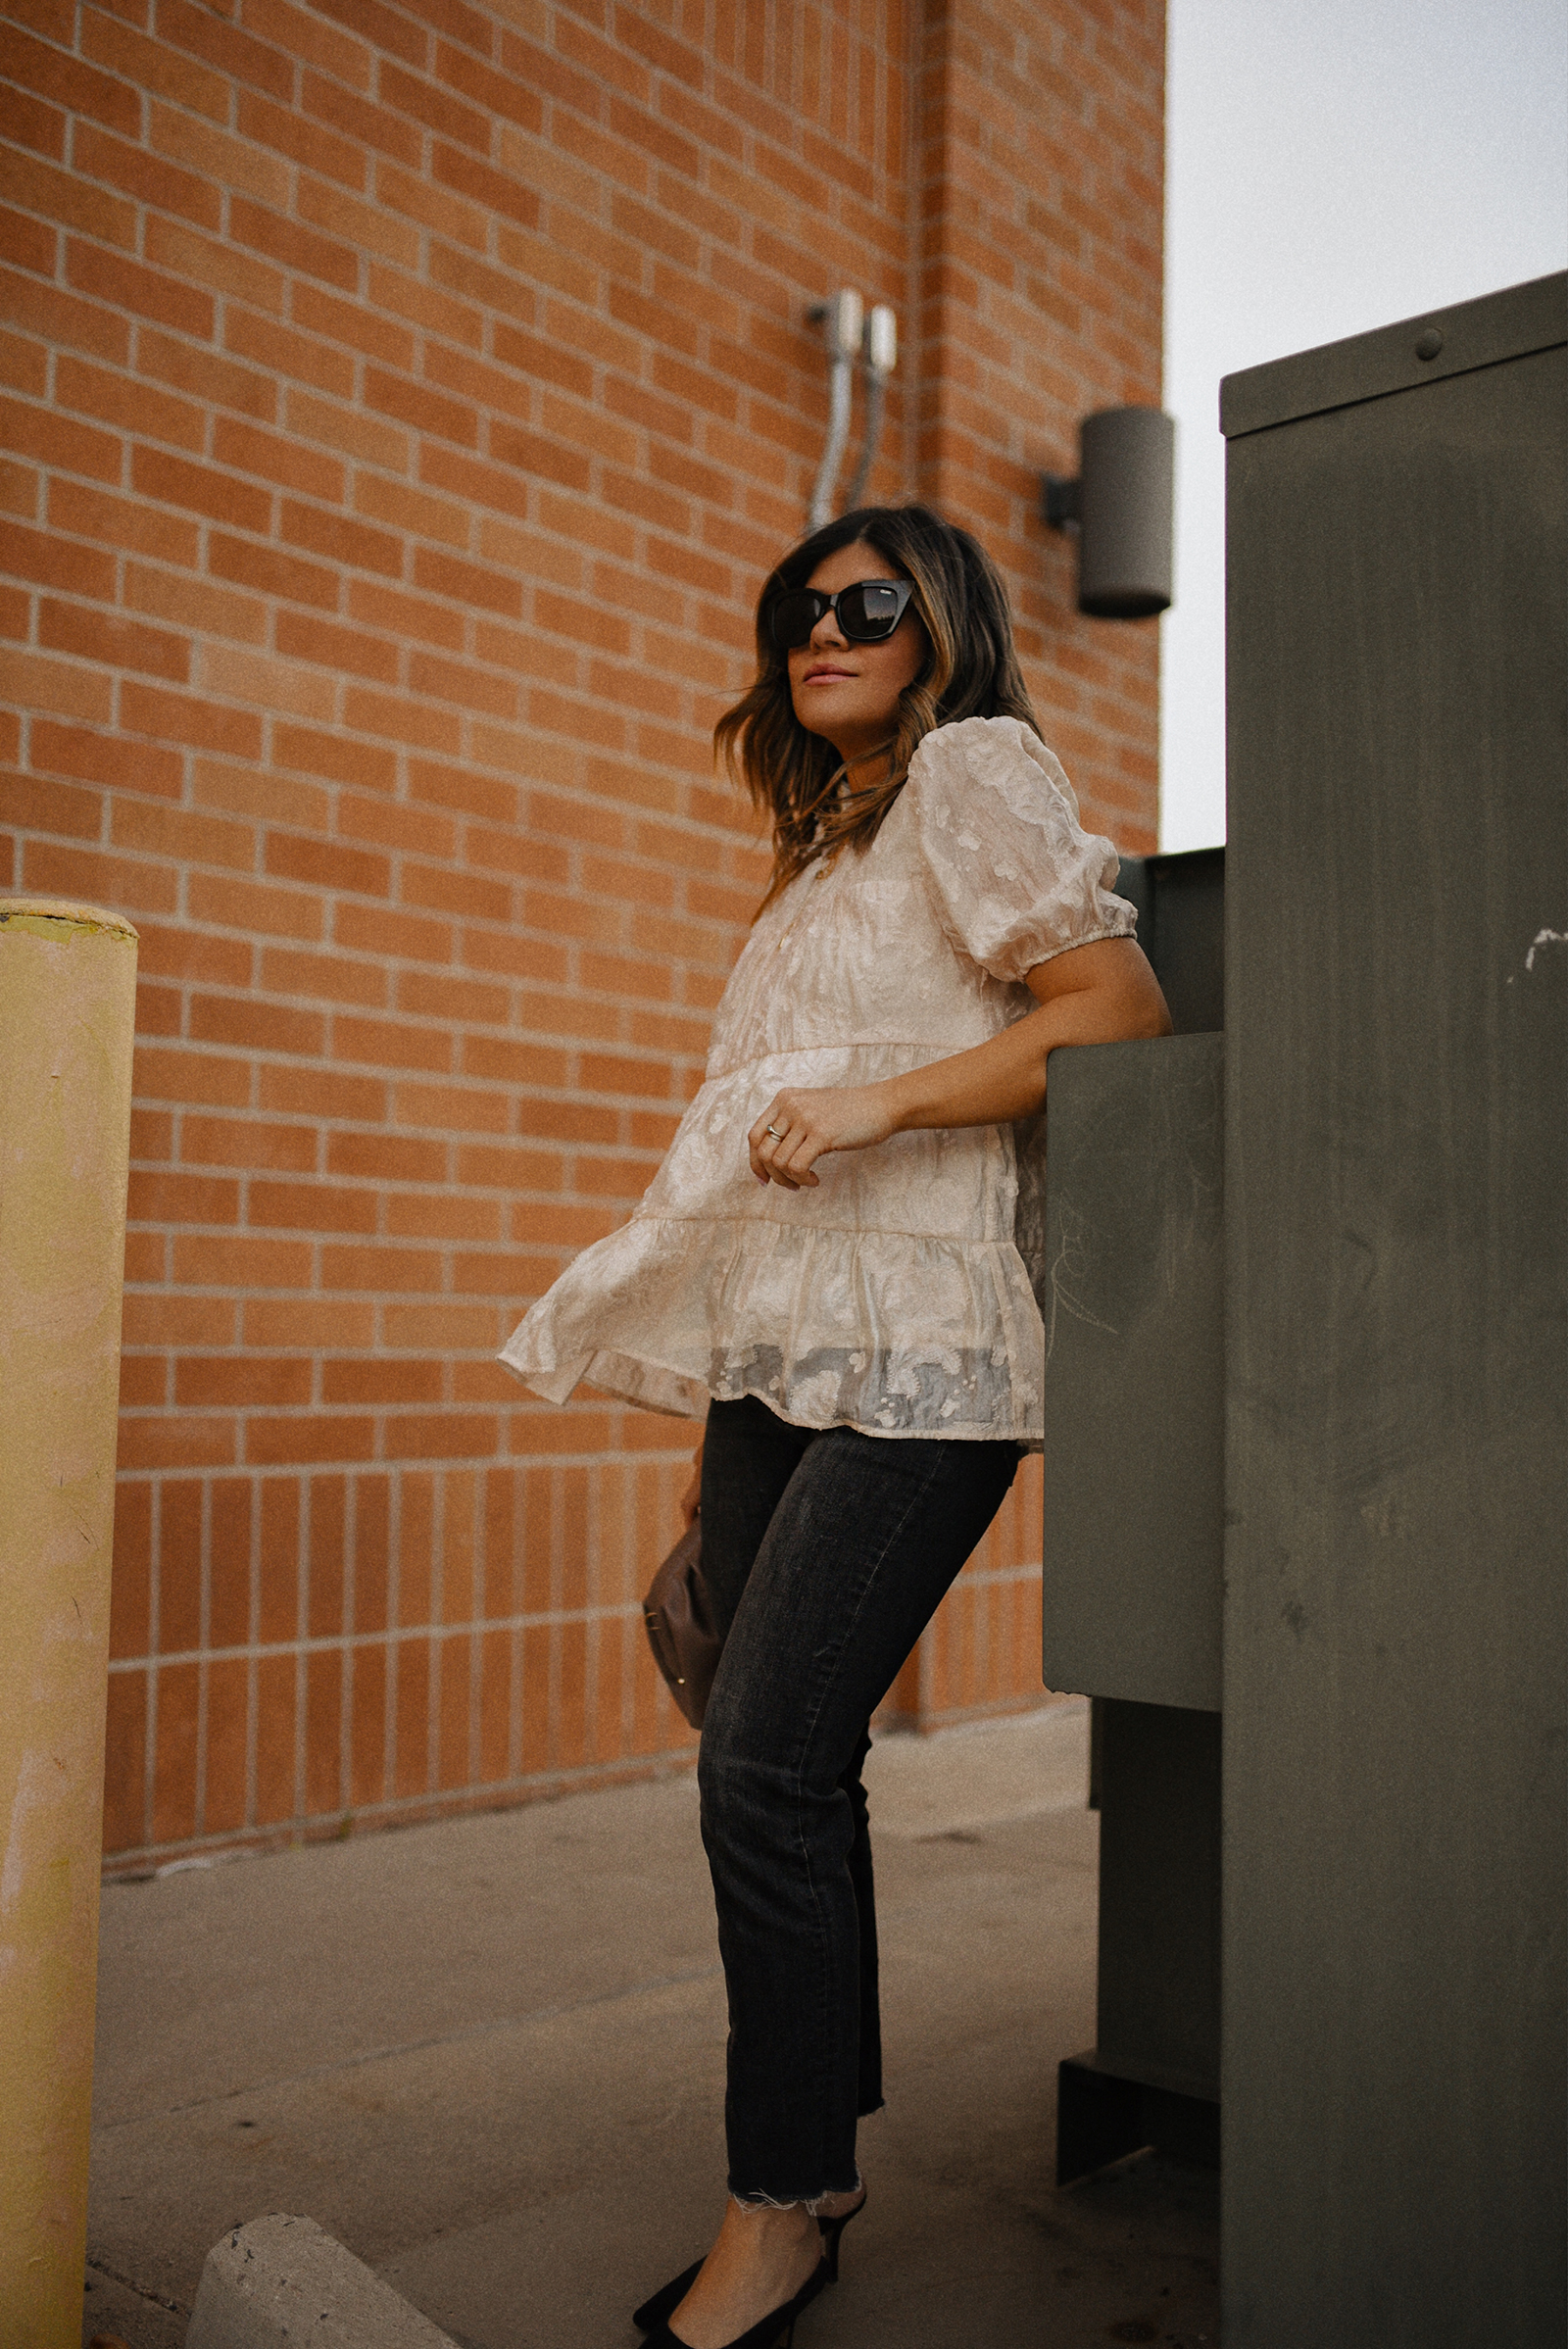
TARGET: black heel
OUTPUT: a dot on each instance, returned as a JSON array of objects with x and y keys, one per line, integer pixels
[
  {"x": 832, "y": 2230},
  {"x": 776, "y": 2330},
  {"x": 665, "y": 2302}
]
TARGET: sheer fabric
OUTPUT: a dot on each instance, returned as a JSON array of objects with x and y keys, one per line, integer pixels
[{"x": 892, "y": 1299}]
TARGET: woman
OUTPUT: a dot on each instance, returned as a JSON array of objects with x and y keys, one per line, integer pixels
[{"x": 826, "y": 1271}]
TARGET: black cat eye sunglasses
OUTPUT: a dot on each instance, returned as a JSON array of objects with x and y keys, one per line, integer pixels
[{"x": 866, "y": 613}]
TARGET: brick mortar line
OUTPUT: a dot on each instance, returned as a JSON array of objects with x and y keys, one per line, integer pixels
[
  {"x": 260, "y": 1055},
  {"x": 515, "y": 1464},
  {"x": 489, "y": 1030},
  {"x": 328, "y": 893},
  {"x": 360, "y": 958},
  {"x": 611, "y": 1611},
  {"x": 465, "y": 1138},
  {"x": 340, "y": 1643},
  {"x": 220, "y": 1170}
]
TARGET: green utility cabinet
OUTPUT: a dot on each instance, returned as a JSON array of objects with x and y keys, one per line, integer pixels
[
  {"x": 1396, "y": 1665},
  {"x": 1307, "y": 1406},
  {"x": 1133, "y": 1303}
]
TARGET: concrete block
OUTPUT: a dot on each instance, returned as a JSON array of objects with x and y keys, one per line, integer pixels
[{"x": 278, "y": 2281}]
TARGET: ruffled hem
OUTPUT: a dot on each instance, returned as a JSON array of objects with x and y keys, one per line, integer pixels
[{"x": 669, "y": 1314}]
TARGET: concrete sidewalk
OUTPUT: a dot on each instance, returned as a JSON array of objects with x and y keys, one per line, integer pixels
[{"x": 488, "y": 2056}]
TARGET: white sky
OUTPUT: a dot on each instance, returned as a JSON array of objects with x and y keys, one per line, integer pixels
[{"x": 1333, "y": 165}]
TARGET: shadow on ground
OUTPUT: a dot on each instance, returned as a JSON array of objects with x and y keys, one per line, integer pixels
[{"x": 488, "y": 2055}]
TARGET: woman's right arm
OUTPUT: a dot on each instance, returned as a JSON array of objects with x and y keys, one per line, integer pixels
[{"x": 1102, "y": 992}]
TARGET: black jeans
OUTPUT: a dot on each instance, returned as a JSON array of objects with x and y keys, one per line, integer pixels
[{"x": 827, "y": 1552}]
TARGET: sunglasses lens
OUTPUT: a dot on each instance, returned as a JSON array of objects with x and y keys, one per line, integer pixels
[
  {"x": 870, "y": 611},
  {"x": 866, "y": 613},
  {"x": 794, "y": 616}
]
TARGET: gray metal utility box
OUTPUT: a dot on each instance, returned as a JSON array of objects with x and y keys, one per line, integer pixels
[
  {"x": 1307, "y": 1410},
  {"x": 1133, "y": 1303},
  {"x": 1396, "y": 1667}
]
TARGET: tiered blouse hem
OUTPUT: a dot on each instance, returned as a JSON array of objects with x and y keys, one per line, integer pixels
[{"x": 635, "y": 1314}]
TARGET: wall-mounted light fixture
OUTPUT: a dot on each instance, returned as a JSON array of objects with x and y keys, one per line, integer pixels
[
  {"x": 1121, "y": 506},
  {"x": 851, "y": 334}
]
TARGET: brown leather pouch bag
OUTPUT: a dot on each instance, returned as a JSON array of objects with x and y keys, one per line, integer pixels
[{"x": 678, "y": 1612}]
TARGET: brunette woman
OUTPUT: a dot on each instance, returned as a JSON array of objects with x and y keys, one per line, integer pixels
[{"x": 826, "y": 1272}]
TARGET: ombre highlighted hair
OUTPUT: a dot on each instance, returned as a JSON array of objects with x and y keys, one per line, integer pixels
[{"x": 970, "y": 671}]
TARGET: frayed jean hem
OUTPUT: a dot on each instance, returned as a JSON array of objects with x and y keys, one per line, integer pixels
[{"x": 811, "y": 2203}]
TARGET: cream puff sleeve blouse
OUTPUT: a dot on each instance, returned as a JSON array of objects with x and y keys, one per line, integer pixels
[{"x": 892, "y": 1298}]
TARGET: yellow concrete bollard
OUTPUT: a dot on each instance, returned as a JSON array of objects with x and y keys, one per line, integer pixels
[{"x": 67, "y": 1014}]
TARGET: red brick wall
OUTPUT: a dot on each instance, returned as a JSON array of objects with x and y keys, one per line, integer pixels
[
  {"x": 401, "y": 406},
  {"x": 1042, "y": 157}
]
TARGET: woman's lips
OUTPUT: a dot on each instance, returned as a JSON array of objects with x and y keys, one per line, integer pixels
[{"x": 821, "y": 676}]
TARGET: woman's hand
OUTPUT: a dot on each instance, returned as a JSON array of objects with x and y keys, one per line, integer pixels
[{"x": 802, "y": 1125}]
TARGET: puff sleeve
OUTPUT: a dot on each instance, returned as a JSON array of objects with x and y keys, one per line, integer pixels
[{"x": 1014, "y": 875}]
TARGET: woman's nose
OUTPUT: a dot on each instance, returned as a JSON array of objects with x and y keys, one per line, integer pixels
[{"x": 828, "y": 634}]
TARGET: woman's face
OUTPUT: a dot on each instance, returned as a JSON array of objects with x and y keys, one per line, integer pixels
[{"x": 848, "y": 693}]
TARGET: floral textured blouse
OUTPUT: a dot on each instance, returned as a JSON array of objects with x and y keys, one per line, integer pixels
[{"x": 892, "y": 1298}]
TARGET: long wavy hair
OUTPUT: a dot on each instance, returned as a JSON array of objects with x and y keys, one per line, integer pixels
[{"x": 970, "y": 671}]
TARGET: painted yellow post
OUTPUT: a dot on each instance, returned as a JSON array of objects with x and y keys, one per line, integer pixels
[{"x": 67, "y": 990}]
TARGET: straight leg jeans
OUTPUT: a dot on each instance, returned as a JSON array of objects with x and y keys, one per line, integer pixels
[{"x": 827, "y": 1552}]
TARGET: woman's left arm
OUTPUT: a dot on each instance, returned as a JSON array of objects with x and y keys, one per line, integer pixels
[{"x": 1104, "y": 993}]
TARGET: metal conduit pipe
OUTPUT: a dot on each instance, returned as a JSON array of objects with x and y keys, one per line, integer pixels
[
  {"x": 881, "y": 358},
  {"x": 842, "y": 318}
]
